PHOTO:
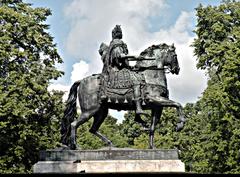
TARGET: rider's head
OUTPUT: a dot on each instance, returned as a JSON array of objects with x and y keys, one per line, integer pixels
[
  {"x": 102, "y": 48},
  {"x": 117, "y": 32}
]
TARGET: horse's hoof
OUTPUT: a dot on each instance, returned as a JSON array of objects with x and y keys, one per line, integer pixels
[
  {"x": 182, "y": 119},
  {"x": 73, "y": 147},
  {"x": 145, "y": 128},
  {"x": 179, "y": 127},
  {"x": 62, "y": 147},
  {"x": 152, "y": 147},
  {"x": 111, "y": 146},
  {"x": 78, "y": 148}
]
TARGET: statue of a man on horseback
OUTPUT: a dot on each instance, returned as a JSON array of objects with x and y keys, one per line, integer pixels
[
  {"x": 122, "y": 87},
  {"x": 115, "y": 60}
]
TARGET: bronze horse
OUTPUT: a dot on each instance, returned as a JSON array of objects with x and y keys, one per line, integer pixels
[{"x": 155, "y": 96}]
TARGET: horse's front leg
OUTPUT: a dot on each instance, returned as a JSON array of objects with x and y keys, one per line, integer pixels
[
  {"x": 169, "y": 103},
  {"x": 181, "y": 119},
  {"x": 139, "y": 120},
  {"x": 155, "y": 119},
  {"x": 151, "y": 133}
]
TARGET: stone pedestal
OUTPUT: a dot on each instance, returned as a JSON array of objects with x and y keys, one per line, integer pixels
[{"x": 109, "y": 161}]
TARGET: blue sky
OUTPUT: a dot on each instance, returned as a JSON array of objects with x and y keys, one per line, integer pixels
[{"x": 79, "y": 27}]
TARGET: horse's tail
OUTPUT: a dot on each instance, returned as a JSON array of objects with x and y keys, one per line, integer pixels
[{"x": 69, "y": 114}]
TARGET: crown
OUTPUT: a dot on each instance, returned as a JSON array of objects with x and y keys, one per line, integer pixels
[{"x": 117, "y": 31}]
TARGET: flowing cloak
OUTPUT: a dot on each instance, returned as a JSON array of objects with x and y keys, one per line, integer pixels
[{"x": 119, "y": 73}]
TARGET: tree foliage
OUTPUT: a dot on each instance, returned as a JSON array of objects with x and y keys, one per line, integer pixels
[
  {"x": 217, "y": 47},
  {"x": 29, "y": 113},
  {"x": 130, "y": 128},
  {"x": 109, "y": 128},
  {"x": 209, "y": 142},
  {"x": 215, "y": 145},
  {"x": 164, "y": 136}
]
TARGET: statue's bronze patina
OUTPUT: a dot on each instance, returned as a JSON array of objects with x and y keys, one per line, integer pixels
[{"x": 122, "y": 87}]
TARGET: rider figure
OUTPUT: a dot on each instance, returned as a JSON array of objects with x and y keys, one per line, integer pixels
[
  {"x": 103, "y": 51},
  {"x": 117, "y": 60}
]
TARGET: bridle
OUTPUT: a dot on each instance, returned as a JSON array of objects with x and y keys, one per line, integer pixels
[{"x": 172, "y": 56}]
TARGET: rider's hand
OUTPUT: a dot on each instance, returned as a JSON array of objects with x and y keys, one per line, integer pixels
[
  {"x": 140, "y": 57},
  {"x": 131, "y": 67},
  {"x": 136, "y": 67}
]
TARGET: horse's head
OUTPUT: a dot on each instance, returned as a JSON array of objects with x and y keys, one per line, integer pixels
[
  {"x": 165, "y": 56},
  {"x": 171, "y": 60}
]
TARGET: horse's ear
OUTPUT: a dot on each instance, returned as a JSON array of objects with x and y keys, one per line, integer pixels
[{"x": 172, "y": 46}]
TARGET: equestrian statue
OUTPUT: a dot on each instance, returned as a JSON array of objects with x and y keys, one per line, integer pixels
[{"x": 121, "y": 86}]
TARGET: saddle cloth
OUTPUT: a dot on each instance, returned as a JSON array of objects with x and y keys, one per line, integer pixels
[{"x": 121, "y": 82}]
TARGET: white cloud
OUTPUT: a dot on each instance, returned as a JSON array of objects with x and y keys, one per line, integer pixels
[
  {"x": 92, "y": 21},
  {"x": 182, "y": 24},
  {"x": 64, "y": 88},
  {"x": 190, "y": 83},
  {"x": 80, "y": 70}
]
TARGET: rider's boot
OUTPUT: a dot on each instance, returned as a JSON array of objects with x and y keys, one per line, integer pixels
[
  {"x": 139, "y": 107},
  {"x": 137, "y": 99}
]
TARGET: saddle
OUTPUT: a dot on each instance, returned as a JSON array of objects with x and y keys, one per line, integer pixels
[
  {"x": 119, "y": 84},
  {"x": 121, "y": 79}
]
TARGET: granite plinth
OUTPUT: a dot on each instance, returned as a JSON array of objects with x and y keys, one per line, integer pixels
[
  {"x": 110, "y": 166},
  {"x": 109, "y": 161},
  {"x": 109, "y": 154}
]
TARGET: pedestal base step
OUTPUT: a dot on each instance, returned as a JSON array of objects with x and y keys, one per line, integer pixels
[{"x": 109, "y": 166}]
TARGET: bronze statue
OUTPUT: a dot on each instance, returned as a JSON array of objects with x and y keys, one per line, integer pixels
[
  {"x": 116, "y": 61},
  {"x": 122, "y": 87}
]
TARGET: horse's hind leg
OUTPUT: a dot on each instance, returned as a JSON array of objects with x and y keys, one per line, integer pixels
[
  {"x": 99, "y": 117},
  {"x": 84, "y": 117}
]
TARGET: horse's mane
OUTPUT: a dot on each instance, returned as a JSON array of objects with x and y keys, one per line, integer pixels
[{"x": 149, "y": 50}]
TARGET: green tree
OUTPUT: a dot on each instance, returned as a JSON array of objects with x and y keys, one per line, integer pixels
[
  {"x": 193, "y": 140},
  {"x": 130, "y": 128},
  {"x": 165, "y": 135},
  {"x": 29, "y": 113},
  {"x": 109, "y": 128},
  {"x": 217, "y": 47}
]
